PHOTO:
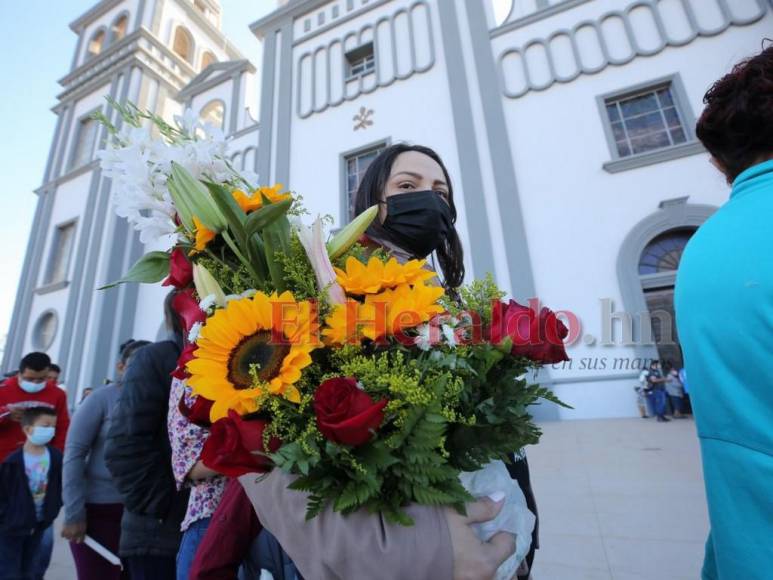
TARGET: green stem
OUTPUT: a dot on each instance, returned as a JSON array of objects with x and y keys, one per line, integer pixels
[
  {"x": 212, "y": 255},
  {"x": 242, "y": 259}
]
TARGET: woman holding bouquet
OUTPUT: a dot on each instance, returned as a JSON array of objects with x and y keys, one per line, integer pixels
[{"x": 416, "y": 218}]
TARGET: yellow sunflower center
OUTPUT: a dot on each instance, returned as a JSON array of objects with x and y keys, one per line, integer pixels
[{"x": 256, "y": 351}]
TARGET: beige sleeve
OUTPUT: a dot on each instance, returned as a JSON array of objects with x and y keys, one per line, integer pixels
[{"x": 358, "y": 546}]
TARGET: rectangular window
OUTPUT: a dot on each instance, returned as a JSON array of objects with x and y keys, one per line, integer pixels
[
  {"x": 645, "y": 121},
  {"x": 61, "y": 249},
  {"x": 85, "y": 140},
  {"x": 355, "y": 165},
  {"x": 360, "y": 61}
]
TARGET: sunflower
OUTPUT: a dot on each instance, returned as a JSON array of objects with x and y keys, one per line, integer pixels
[
  {"x": 252, "y": 347},
  {"x": 370, "y": 278},
  {"x": 252, "y": 202},
  {"x": 383, "y": 314},
  {"x": 203, "y": 236}
]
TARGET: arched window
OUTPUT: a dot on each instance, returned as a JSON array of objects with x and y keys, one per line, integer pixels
[
  {"x": 213, "y": 113},
  {"x": 207, "y": 59},
  {"x": 97, "y": 43},
  {"x": 183, "y": 44},
  {"x": 664, "y": 252},
  {"x": 119, "y": 27}
]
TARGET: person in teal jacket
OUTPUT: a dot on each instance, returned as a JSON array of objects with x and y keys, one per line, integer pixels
[{"x": 724, "y": 313}]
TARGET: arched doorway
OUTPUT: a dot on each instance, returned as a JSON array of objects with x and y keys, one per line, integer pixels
[
  {"x": 646, "y": 269},
  {"x": 658, "y": 264}
]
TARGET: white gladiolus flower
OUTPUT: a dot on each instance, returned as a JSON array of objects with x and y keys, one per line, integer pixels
[
  {"x": 193, "y": 333},
  {"x": 423, "y": 339},
  {"x": 449, "y": 335},
  {"x": 140, "y": 165}
]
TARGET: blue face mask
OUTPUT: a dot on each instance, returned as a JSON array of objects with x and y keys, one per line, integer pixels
[
  {"x": 30, "y": 387},
  {"x": 41, "y": 435}
]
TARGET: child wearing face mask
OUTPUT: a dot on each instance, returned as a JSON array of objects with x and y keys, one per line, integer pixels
[{"x": 30, "y": 494}]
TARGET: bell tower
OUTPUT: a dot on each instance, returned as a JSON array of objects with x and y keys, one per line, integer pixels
[{"x": 143, "y": 51}]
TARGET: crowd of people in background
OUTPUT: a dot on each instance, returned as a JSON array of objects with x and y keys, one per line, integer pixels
[
  {"x": 127, "y": 472},
  {"x": 662, "y": 390}
]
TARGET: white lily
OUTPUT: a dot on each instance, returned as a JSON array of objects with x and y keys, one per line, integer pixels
[{"x": 314, "y": 244}]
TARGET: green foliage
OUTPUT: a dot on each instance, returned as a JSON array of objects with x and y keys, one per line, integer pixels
[
  {"x": 477, "y": 297},
  {"x": 150, "y": 268},
  {"x": 233, "y": 278}
]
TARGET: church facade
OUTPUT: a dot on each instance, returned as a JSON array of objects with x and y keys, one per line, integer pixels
[{"x": 567, "y": 128}]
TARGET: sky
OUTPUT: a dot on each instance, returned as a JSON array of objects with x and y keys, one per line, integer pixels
[{"x": 41, "y": 51}]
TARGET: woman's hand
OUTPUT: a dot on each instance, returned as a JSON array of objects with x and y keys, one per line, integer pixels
[
  {"x": 200, "y": 472},
  {"x": 74, "y": 532},
  {"x": 474, "y": 559}
]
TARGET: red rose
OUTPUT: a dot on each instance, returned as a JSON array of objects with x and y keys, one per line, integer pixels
[
  {"x": 345, "y": 413},
  {"x": 180, "y": 270},
  {"x": 187, "y": 308},
  {"x": 538, "y": 337},
  {"x": 235, "y": 446},
  {"x": 185, "y": 357},
  {"x": 198, "y": 412}
]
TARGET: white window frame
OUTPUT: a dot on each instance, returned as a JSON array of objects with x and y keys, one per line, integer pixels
[
  {"x": 48, "y": 281},
  {"x": 360, "y": 61},
  {"x": 359, "y": 151},
  {"x": 71, "y": 166},
  {"x": 690, "y": 147}
]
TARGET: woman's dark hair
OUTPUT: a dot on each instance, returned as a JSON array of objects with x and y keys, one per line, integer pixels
[
  {"x": 171, "y": 318},
  {"x": 371, "y": 192},
  {"x": 737, "y": 124},
  {"x": 130, "y": 347}
]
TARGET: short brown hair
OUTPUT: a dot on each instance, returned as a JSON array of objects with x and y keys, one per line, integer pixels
[{"x": 737, "y": 124}]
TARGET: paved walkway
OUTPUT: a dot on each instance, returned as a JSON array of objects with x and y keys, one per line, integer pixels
[{"x": 619, "y": 499}]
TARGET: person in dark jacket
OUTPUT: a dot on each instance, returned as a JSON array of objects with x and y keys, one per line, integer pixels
[
  {"x": 30, "y": 495},
  {"x": 138, "y": 456},
  {"x": 519, "y": 471}
]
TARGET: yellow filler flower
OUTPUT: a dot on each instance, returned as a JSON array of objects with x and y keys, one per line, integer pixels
[{"x": 251, "y": 347}]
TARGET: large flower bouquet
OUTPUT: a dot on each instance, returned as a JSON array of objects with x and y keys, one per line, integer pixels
[{"x": 329, "y": 360}]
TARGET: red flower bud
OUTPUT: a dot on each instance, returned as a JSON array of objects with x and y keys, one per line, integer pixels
[
  {"x": 187, "y": 308},
  {"x": 185, "y": 357},
  {"x": 180, "y": 270}
]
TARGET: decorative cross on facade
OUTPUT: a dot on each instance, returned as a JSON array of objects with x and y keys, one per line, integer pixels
[{"x": 362, "y": 120}]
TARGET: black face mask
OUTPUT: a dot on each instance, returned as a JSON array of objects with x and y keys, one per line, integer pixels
[{"x": 418, "y": 221}]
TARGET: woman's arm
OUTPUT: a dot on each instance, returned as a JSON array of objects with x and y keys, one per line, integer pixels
[
  {"x": 84, "y": 430},
  {"x": 187, "y": 440},
  {"x": 439, "y": 546}
]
